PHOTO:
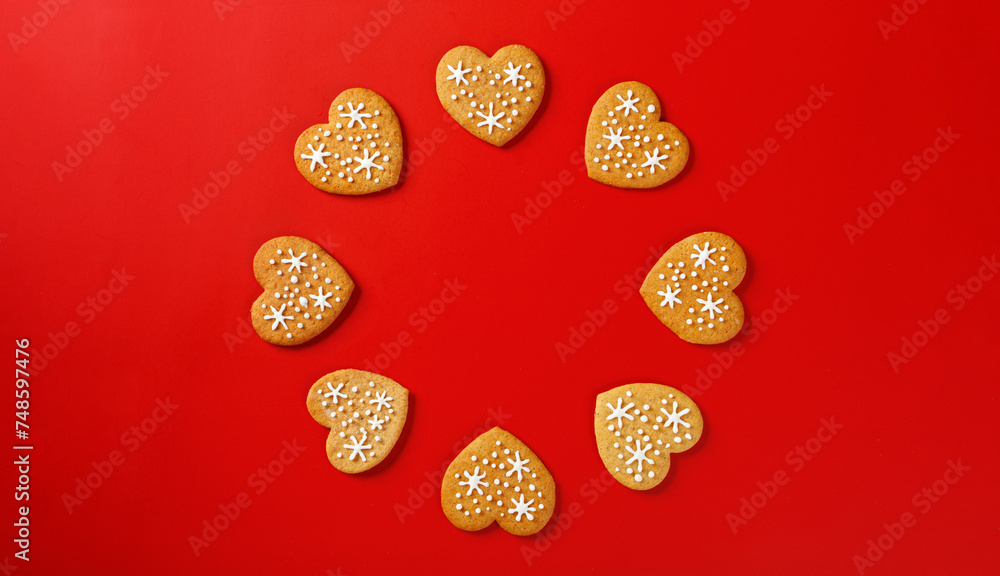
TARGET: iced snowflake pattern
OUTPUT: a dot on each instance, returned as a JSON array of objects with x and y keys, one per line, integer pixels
[
  {"x": 634, "y": 143},
  {"x": 647, "y": 438},
  {"x": 493, "y": 98},
  {"x": 699, "y": 285}
]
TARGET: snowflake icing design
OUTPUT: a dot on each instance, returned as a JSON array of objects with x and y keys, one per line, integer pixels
[
  {"x": 490, "y": 120},
  {"x": 321, "y": 299},
  {"x": 654, "y": 162},
  {"x": 628, "y": 104},
  {"x": 316, "y": 157},
  {"x": 513, "y": 74},
  {"x": 669, "y": 297},
  {"x": 616, "y": 139},
  {"x": 639, "y": 454},
  {"x": 294, "y": 261},
  {"x": 358, "y": 447},
  {"x": 709, "y": 305},
  {"x": 475, "y": 480},
  {"x": 457, "y": 74},
  {"x": 518, "y": 465},
  {"x": 356, "y": 115},
  {"x": 376, "y": 423},
  {"x": 675, "y": 417},
  {"x": 335, "y": 392},
  {"x": 702, "y": 255},
  {"x": 367, "y": 164},
  {"x": 620, "y": 412},
  {"x": 522, "y": 508},
  {"x": 278, "y": 317},
  {"x": 382, "y": 399}
]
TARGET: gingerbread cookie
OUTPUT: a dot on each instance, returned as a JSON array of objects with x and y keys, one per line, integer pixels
[
  {"x": 498, "y": 478},
  {"x": 638, "y": 426},
  {"x": 494, "y": 98},
  {"x": 690, "y": 289},
  {"x": 358, "y": 152},
  {"x": 365, "y": 413},
  {"x": 305, "y": 290},
  {"x": 627, "y": 145}
]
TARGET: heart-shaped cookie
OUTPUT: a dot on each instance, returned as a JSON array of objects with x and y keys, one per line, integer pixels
[
  {"x": 627, "y": 145},
  {"x": 690, "y": 289},
  {"x": 494, "y": 98},
  {"x": 498, "y": 478},
  {"x": 638, "y": 426},
  {"x": 365, "y": 413},
  {"x": 358, "y": 152},
  {"x": 305, "y": 290}
]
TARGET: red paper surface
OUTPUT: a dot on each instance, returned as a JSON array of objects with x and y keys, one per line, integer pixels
[{"x": 130, "y": 273}]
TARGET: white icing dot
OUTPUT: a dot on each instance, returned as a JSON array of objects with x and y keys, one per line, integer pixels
[{"x": 650, "y": 108}]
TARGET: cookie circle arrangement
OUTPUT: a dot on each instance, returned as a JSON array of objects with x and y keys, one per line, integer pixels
[{"x": 497, "y": 477}]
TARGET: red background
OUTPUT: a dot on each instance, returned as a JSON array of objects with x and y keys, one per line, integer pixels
[{"x": 238, "y": 399}]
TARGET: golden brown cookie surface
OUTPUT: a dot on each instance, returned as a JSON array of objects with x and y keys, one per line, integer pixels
[
  {"x": 493, "y": 98},
  {"x": 305, "y": 290},
  {"x": 638, "y": 426},
  {"x": 627, "y": 145},
  {"x": 359, "y": 151},
  {"x": 498, "y": 478},
  {"x": 690, "y": 289},
  {"x": 365, "y": 413}
]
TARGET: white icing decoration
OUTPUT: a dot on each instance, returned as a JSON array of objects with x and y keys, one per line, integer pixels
[
  {"x": 278, "y": 317},
  {"x": 367, "y": 163},
  {"x": 357, "y": 447},
  {"x": 702, "y": 255},
  {"x": 620, "y": 412},
  {"x": 293, "y": 262},
  {"x": 513, "y": 74},
  {"x": 475, "y": 480},
  {"x": 356, "y": 115},
  {"x": 616, "y": 139},
  {"x": 518, "y": 465},
  {"x": 654, "y": 162},
  {"x": 334, "y": 392},
  {"x": 382, "y": 399},
  {"x": 675, "y": 418},
  {"x": 316, "y": 157},
  {"x": 669, "y": 297},
  {"x": 490, "y": 120},
  {"x": 321, "y": 299},
  {"x": 709, "y": 305},
  {"x": 628, "y": 104},
  {"x": 522, "y": 507}
]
